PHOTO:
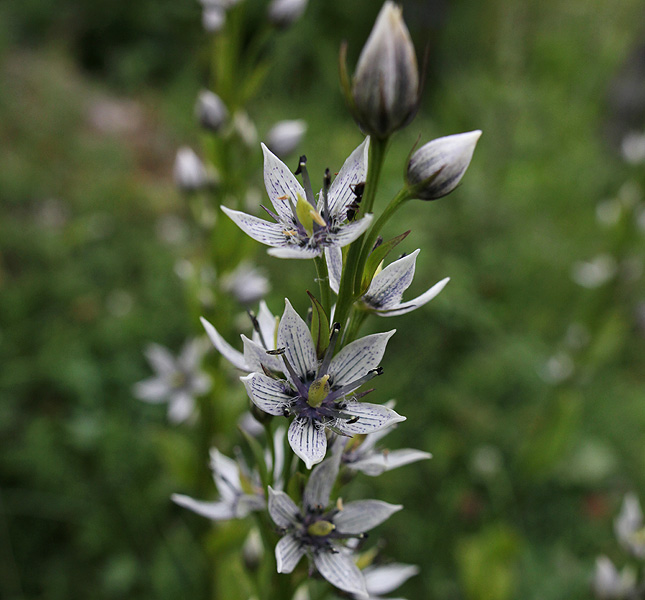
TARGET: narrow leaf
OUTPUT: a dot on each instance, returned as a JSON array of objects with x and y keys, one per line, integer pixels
[{"x": 319, "y": 326}]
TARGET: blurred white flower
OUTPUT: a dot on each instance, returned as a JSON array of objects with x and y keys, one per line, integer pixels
[
  {"x": 246, "y": 283},
  {"x": 210, "y": 111},
  {"x": 283, "y": 13},
  {"x": 177, "y": 381},
  {"x": 189, "y": 171},
  {"x": 383, "y": 579},
  {"x": 633, "y": 147},
  {"x": 285, "y": 136},
  {"x": 245, "y": 128},
  {"x": 628, "y": 526},
  {"x": 557, "y": 368},
  {"x": 594, "y": 273},
  {"x": 608, "y": 212},
  {"x": 608, "y": 583}
]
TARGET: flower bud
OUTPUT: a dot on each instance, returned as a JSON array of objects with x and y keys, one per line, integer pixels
[
  {"x": 210, "y": 111},
  {"x": 283, "y": 13},
  {"x": 285, "y": 136},
  {"x": 436, "y": 168},
  {"x": 385, "y": 89},
  {"x": 213, "y": 18},
  {"x": 189, "y": 171}
]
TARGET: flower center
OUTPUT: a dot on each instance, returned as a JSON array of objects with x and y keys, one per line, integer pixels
[
  {"x": 318, "y": 391},
  {"x": 307, "y": 214},
  {"x": 321, "y": 528}
]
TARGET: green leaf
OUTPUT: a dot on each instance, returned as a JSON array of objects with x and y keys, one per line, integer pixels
[
  {"x": 376, "y": 257},
  {"x": 319, "y": 326}
]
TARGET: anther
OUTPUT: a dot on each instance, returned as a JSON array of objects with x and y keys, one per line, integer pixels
[{"x": 256, "y": 327}]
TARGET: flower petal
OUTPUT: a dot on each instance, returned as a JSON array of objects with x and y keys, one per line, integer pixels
[
  {"x": 379, "y": 462},
  {"x": 363, "y": 515},
  {"x": 226, "y": 473},
  {"x": 160, "y": 358},
  {"x": 350, "y": 231},
  {"x": 295, "y": 338},
  {"x": 153, "y": 390},
  {"x": 339, "y": 569},
  {"x": 308, "y": 440},
  {"x": 217, "y": 511},
  {"x": 385, "y": 579},
  {"x": 282, "y": 509},
  {"x": 424, "y": 298},
  {"x": 322, "y": 479},
  {"x": 288, "y": 552},
  {"x": 265, "y": 232},
  {"x": 266, "y": 393},
  {"x": 268, "y": 327},
  {"x": 353, "y": 171},
  {"x": 371, "y": 417},
  {"x": 233, "y": 356},
  {"x": 295, "y": 251},
  {"x": 358, "y": 358},
  {"x": 388, "y": 286},
  {"x": 255, "y": 356},
  {"x": 180, "y": 406},
  {"x": 334, "y": 258},
  {"x": 280, "y": 182}
]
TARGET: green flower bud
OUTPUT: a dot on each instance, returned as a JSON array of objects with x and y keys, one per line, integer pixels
[
  {"x": 436, "y": 169},
  {"x": 385, "y": 89}
]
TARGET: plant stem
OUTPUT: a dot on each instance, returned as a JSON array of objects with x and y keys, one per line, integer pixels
[{"x": 323, "y": 281}]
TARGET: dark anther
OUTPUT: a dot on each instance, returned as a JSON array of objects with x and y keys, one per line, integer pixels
[
  {"x": 286, "y": 412},
  {"x": 377, "y": 243},
  {"x": 277, "y": 352},
  {"x": 352, "y": 421},
  {"x": 301, "y": 163},
  {"x": 378, "y": 371}
]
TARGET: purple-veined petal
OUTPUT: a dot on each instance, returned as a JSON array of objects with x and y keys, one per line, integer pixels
[
  {"x": 334, "y": 258},
  {"x": 288, "y": 552},
  {"x": 385, "y": 579},
  {"x": 295, "y": 251},
  {"x": 153, "y": 390},
  {"x": 363, "y": 515},
  {"x": 226, "y": 474},
  {"x": 282, "y": 509},
  {"x": 353, "y": 171},
  {"x": 424, "y": 298},
  {"x": 295, "y": 338},
  {"x": 308, "y": 440},
  {"x": 217, "y": 511},
  {"x": 255, "y": 355},
  {"x": 349, "y": 232},
  {"x": 280, "y": 182},
  {"x": 233, "y": 356},
  {"x": 266, "y": 393},
  {"x": 160, "y": 358},
  {"x": 268, "y": 327},
  {"x": 371, "y": 417},
  {"x": 271, "y": 234},
  {"x": 278, "y": 465},
  {"x": 387, "y": 287},
  {"x": 180, "y": 406},
  {"x": 358, "y": 358},
  {"x": 322, "y": 479},
  {"x": 339, "y": 569},
  {"x": 378, "y": 462}
]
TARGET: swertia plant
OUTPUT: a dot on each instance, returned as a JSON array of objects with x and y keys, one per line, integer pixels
[{"x": 310, "y": 432}]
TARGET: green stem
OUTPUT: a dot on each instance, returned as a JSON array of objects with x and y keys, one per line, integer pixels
[
  {"x": 402, "y": 196},
  {"x": 323, "y": 281},
  {"x": 346, "y": 295}
]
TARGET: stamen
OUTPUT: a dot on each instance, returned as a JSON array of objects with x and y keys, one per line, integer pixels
[
  {"x": 271, "y": 213},
  {"x": 306, "y": 183},
  {"x": 256, "y": 327},
  {"x": 350, "y": 387},
  {"x": 324, "y": 365},
  {"x": 302, "y": 390},
  {"x": 325, "y": 192}
]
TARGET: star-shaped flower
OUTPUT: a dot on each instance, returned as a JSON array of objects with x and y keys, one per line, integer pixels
[
  {"x": 319, "y": 530},
  {"x": 177, "y": 381},
  {"x": 304, "y": 227},
  {"x": 320, "y": 394},
  {"x": 385, "y": 293}
]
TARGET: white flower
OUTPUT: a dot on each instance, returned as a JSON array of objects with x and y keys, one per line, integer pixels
[
  {"x": 594, "y": 273},
  {"x": 318, "y": 530},
  {"x": 246, "y": 283},
  {"x": 608, "y": 583},
  {"x": 177, "y": 381},
  {"x": 210, "y": 111},
  {"x": 384, "y": 295},
  {"x": 285, "y": 136},
  {"x": 283, "y": 13},
  {"x": 303, "y": 228},
  {"x": 319, "y": 395},
  {"x": 189, "y": 172},
  {"x": 436, "y": 168},
  {"x": 362, "y": 453},
  {"x": 629, "y": 526}
]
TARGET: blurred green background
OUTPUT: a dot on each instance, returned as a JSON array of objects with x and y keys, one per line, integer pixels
[{"x": 526, "y": 386}]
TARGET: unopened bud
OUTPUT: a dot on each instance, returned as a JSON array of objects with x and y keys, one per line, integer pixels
[
  {"x": 252, "y": 551},
  {"x": 285, "y": 136},
  {"x": 189, "y": 171},
  {"x": 436, "y": 169},
  {"x": 210, "y": 111},
  {"x": 283, "y": 13},
  {"x": 385, "y": 89}
]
